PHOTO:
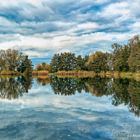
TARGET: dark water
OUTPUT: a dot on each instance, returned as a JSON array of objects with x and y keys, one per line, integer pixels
[{"x": 69, "y": 109}]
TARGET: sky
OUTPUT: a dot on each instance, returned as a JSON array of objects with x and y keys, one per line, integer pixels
[{"x": 41, "y": 28}]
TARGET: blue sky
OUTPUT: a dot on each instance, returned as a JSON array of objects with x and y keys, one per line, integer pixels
[{"x": 41, "y": 28}]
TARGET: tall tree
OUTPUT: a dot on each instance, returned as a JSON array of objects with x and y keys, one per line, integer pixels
[
  {"x": 25, "y": 65},
  {"x": 134, "y": 58},
  {"x": 120, "y": 57},
  {"x": 98, "y": 62},
  {"x": 64, "y": 61},
  {"x": 81, "y": 62},
  {"x": 13, "y": 60}
]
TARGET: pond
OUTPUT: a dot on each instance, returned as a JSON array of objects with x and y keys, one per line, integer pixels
[{"x": 69, "y": 109}]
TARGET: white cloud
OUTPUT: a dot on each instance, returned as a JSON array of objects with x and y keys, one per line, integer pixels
[
  {"x": 6, "y": 22},
  {"x": 123, "y": 9},
  {"x": 87, "y": 26},
  {"x": 134, "y": 7},
  {"x": 136, "y": 25},
  {"x": 6, "y": 3},
  {"x": 114, "y": 10},
  {"x": 60, "y": 26},
  {"x": 61, "y": 43}
]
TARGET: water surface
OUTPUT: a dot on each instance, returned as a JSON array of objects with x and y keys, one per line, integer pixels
[{"x": 69, "y": 109}]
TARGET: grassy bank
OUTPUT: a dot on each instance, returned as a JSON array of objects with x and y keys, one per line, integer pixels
[{"x": 109, "y": 74}]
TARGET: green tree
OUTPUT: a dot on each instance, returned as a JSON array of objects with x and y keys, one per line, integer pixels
[
  {"x": 98, "y": 62},
  {"x": 64, "y": 61},
  {"x": 134, "y": 58},
  {"x": 81, "y": 62},
  {"x": 9, "y": 59},
  {"x": 55, "y": 63},
  {"x": 25, "y": 66},
  {"x": 120, "y": 57},
  {"x": 13, "y": 60}
]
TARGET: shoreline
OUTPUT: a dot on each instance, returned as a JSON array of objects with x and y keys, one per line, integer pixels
[
  {"x": 88, "y": 74},
  {"x": 108, "y": 74},
  {"x": 77, "y": 74}
]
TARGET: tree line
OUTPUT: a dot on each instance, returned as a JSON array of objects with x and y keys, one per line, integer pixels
[{"x": 123, "y": 58}]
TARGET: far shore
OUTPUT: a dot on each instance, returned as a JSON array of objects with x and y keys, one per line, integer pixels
[
  {"x": 77, "y": 73},
  {"x": 88, "y": 74}
]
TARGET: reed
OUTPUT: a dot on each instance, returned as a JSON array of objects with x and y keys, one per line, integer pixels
[
  {"x": 79, "y": 74},
  {"x": 6, "y": 72},
  {"x": 40, "y": 73},
  {"x": 108, "y": 74}
]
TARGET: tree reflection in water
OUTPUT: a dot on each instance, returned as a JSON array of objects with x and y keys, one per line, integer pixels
[
  {"x": 67, "y": 86},
  {"x": 11, "y": 88},
  {"x": 122, "y": 91}
]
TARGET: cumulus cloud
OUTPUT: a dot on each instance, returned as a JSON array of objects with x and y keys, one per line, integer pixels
[
  {"x": 115, "y": 9},
  {"x": 43, "y": 27}
]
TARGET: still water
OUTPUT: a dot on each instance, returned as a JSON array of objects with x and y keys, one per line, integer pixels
[{"x": 69, "y": 109}]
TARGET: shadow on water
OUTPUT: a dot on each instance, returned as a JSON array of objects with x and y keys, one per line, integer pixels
[{"x": 121, "y": 91}]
